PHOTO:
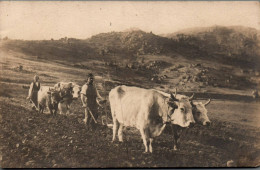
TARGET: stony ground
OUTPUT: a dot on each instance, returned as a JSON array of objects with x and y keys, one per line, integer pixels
[{"x": 32, "y": 140}]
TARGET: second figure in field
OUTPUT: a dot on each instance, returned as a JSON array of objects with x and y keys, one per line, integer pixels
[
  {"x": 33, "y": 92},
  {"x": 89, "y": 98}
]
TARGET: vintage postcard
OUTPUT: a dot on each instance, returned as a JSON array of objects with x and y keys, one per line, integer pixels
[{"x": 129, "y": 84}]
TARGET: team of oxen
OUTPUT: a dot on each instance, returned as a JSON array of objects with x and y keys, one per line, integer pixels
[
  {"x": 148, "y": 110},
  {"x": 59, "y": 97}
]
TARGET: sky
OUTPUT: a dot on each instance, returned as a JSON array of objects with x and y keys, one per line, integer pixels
[{"x": 37, "y": 20}]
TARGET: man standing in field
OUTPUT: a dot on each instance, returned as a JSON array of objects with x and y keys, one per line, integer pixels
[
  {"x": 89, "y": 98},
  {"x": 33, "y": 92}
]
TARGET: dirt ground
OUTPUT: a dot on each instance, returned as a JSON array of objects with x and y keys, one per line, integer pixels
[{"x": 32, "y": 140}]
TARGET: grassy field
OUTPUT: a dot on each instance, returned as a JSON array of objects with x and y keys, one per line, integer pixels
[{"x": 31, "y": 140}]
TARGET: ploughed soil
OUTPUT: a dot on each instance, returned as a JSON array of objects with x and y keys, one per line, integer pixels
[{"x": 32, "y": 140}]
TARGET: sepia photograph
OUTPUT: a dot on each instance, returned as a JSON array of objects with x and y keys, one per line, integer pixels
[{"x": 129, "y": 84}]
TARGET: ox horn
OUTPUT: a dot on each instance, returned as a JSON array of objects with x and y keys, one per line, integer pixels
[
  {"x": 191, "y": 97},
  {"x": 207, "y": 102},
  {"x": 50, "y": 89},
  {"x": 173, "y": 96}
]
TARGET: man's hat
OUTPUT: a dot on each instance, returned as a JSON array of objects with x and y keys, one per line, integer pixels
[
  {"x": 36, "y": 77},
  {"x": 90, "y": 75}
]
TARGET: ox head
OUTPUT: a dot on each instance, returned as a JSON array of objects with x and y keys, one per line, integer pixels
[
  {"x": 54, "y": 96},
  {"x": 200, "y": 113},
  {"x": 76, "y": 91},
  {"x": 71, "y": 90},
  {"x": 182, "y": 114}
]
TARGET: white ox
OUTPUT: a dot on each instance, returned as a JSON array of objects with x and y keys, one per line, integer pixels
[
  {"x": 147, "y": 110},
  {"x": 69, "y": 92},
  {"x": 199, "y": 112},
  {"x": 48, "y": 97}
]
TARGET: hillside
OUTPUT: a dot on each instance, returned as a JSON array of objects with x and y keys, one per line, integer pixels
[
  {"x": 32, "y": 140},
  {"x": 191, "y": 63},
  {"x": 234, "y": 45},
  {"x": 130, "y": 43},
  {"x": 68, "y": 49},
  {"x": 195, "y": 59},
  {"x": 126, "y": 44},
  {"x": 239, "y": 46}
]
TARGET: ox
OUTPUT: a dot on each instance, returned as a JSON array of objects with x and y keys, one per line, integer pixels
[
  {"x": 69, "y": 92},
  {"x": 48, "y": 97},
  {"x": 199, "y": 112},
  {"x": 148, "y": 111}
]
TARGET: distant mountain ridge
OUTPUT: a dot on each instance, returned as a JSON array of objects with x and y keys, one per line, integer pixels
[
  {"x": 235, "y": 43},
  {"x": 196, "y": 30},
  {"x": 131, "y": 42},
  {"x": 232, "y": 45}
]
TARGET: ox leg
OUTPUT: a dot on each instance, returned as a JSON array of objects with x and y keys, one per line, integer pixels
[
  {"x": 175, "y": 138},
  {"x": 55, "y": 112},
  {"x": 120, "y": 133},
  {"x": 67, "y": 109},
  {"x": 150, "y": 145},
  {"x": 55, "y": 109},
  {"x": 115, "y": 128},
  {"x": 40, "y": 109},
  {"x": 51, "y": 112},
  {"x": 144, "y": 139},
  {"x": 61, "y": 108}
]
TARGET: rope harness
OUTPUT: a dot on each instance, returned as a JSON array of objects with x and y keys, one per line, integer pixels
[
  {"x": 169, "y": 120},
  {"x": 68, "y": 93}
]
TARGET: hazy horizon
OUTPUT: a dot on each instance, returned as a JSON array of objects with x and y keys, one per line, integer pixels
[
  {"x": 130, "y": 29},
  {"x": 36, "y": 20}
]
